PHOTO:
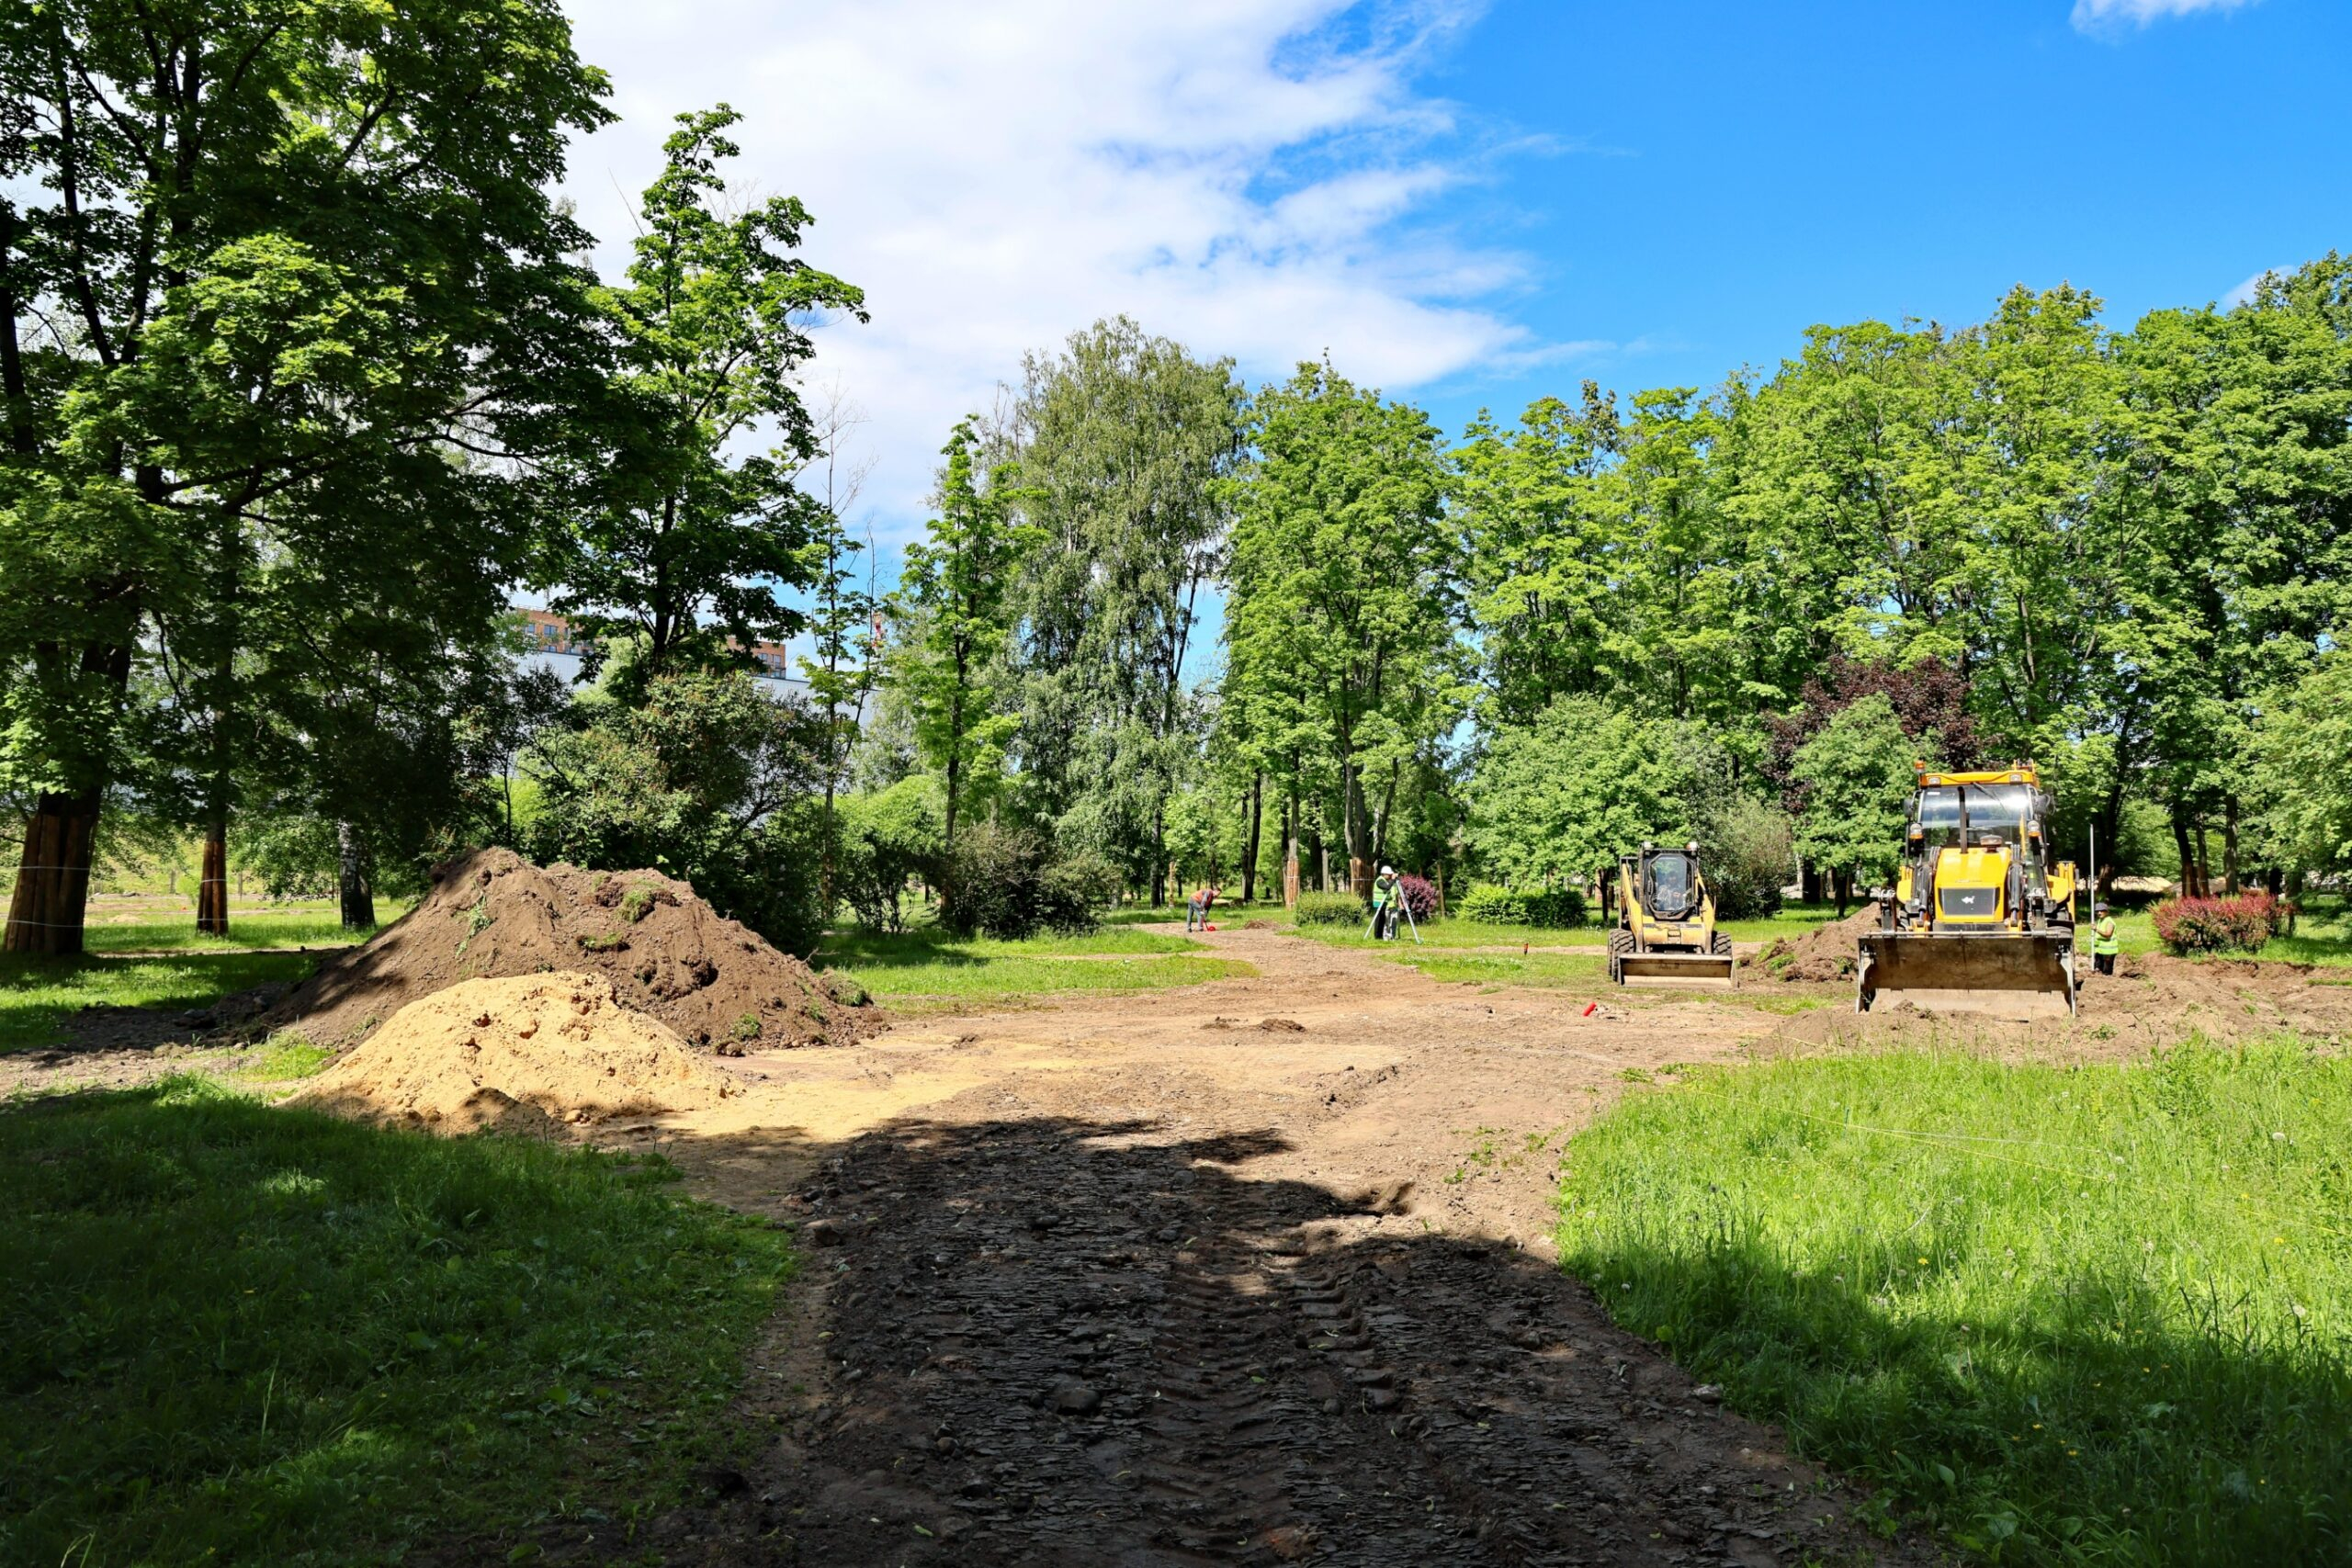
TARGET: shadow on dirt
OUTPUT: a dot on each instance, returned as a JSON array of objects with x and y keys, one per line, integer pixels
[{"x": 1056, "y": 1342}]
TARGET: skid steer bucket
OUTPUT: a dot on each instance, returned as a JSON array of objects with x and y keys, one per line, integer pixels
[
  {"x": 1688, "y": 971},
  {"x": 2018, "y": 974}
]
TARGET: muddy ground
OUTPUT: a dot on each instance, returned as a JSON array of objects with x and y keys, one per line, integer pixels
[{"x": 1252, "y": 1272}]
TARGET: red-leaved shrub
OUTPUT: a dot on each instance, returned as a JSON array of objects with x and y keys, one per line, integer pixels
[
  {"x": 1420, "y": 897},
  {"x": 2238, "y": 924}
]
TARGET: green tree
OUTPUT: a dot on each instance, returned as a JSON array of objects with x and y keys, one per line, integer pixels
[
  {"x": 2235, "y": 507},
  {"x": 1343, "y": 662},
  {"x": 1857, "y": 774},
  {"x": 843, "y": 619},
  {"x": 2302, "y": 770},
  {"x": 1558, "y": 800},
  {"x": 707, "y": 778},
  {"x": 1125, "y": 441},
  {"x": 680, "y": 540},
  {"x": 256, "y": 267},
  {"x": 1538, "y": 540},
  {"x": 954, "y": 600}
]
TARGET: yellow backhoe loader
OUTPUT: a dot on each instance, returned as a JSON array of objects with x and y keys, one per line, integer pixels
[
  {"x": 1665, "y": 923},
  {"x": 1981, "y": 920}
]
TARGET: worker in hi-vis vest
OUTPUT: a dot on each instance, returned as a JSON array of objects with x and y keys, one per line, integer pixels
[{"x": 2104, "y": 947}]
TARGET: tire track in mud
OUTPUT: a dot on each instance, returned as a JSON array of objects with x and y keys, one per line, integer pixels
[{"x": 1064, "y": 1343}]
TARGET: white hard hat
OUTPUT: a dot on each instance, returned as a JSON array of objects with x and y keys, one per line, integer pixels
[{"x": 1388, "y": 871}]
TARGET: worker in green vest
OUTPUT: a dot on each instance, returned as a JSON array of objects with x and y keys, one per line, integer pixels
[{"x": 2104, "y": 947}]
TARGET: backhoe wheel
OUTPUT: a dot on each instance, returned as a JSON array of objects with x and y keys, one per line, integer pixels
[
  {"x": 1721, "y": 945},
  {"x": 1621, "y": 942}
]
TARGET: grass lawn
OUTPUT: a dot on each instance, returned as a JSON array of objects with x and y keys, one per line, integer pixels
[
  {"x": 235, "y": 1333},
  {"x": 37, "y": 994},
  {"x": 2067, "y": 1315},
  {"x": 927, "y": 966},
  {"x": 143, "y": 927},
  {"x": 1543, "y": 969},
  {"x": 1455, "y": 933}
]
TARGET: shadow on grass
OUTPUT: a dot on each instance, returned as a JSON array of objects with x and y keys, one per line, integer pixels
[
  {"x": 40, "y": 997},
  {"x": 2039, "y": 1437},
  {"x": 236, "y": 1334}
]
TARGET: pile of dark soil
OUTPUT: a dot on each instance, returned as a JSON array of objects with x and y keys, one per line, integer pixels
[
  {"x": 493, "y": 914},
  {"x": 1824, "y": 953}
]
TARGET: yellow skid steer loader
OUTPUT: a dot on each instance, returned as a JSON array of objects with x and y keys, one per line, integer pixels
[
  {"x": 1980, "y": 920},
  {"x": 1665, "y": 923}
]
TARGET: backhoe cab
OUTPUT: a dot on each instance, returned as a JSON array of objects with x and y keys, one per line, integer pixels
[
  {"x": 1981, "y": 920},
  {"x": 1665, "y": 923}
]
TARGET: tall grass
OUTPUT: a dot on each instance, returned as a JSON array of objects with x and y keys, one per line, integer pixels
[
  {"x": 2068, "y": 1315},
  {"x": 229, "y": 1334}
]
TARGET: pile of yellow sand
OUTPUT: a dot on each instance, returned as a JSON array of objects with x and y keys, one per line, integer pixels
[{"x": 524, "y": 1053}]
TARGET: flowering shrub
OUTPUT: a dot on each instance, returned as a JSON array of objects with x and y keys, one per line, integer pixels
[{"x": 2238, "y": 924}]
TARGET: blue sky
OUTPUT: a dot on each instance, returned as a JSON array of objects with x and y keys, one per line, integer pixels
[
  {"x": 1475, "y": 203},
  {"x": 1752, "y": 170}
]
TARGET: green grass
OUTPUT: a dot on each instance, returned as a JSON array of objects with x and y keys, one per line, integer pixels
[
  {"x": 1012, "y": 979},
  {"x": 1793, "y": 921},
  {"x": 1542, "y": 969},
  {"x": 928, "y": 944},
  {"x": 2096, "y": 1314},
  {"x": 235, "y": 1333},
  {"x": 37, "y": 994},
  {"x": 295, "y": 925},
  {"x": 927, "y": 966},
  {"x": 1455, "y": 933}
]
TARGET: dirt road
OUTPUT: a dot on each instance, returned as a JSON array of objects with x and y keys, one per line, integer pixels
[{"x": 1253, "y": 1273}]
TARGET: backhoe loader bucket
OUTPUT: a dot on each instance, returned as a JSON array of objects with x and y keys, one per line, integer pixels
[
  {"x": 1684, "y": 971},
  {"x": 2018, "y": 974}
]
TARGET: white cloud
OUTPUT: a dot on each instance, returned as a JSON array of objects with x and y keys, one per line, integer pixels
[
  {"x": 2091, "y": 16},
  {"x": 2244, "y": 293},
  {"x": 1236, "y": 174}
]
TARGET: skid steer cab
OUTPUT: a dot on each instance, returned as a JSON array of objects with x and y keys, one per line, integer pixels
[
  {"x": 1665, "y": 923},
  {"x": 1981, "y": 920}
]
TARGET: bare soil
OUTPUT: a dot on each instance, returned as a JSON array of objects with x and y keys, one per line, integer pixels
[
  {"x": 1823, "y": 954},
  {"x": 1261, "y": 1271},
  {"x": 1258, "y": 1271},
  {"x": 666, "y": 953}
]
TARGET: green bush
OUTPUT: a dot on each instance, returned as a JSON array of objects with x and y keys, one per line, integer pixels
[
  {"x": 688, "y": 784},
  {"x": 1490, "y": 905},
  {"x": 1011, "y": 883},
  {"x": 887, "y": 838},
  {"x": 1332, "y": 910},
  {"x": 1747, "y": 850}
]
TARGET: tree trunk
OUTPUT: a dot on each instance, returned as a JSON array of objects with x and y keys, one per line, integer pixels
[
  {"x": 212, "y": 885},
  {"x": 1841, "y": 885},
  {"x": 1257, "y": 822},
  {"x": 53, "y": 875},
  {"x": 1290, "y": 853},
  {"x": 351, "y": 880},
  {"x": 2187, "y": 856},
  {"x": 2204, "y": 863},
  {"x": 2230, "y": 843},
  {"x": 1162, "y": 872},
  {"x": 1810, "y": 877}
]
